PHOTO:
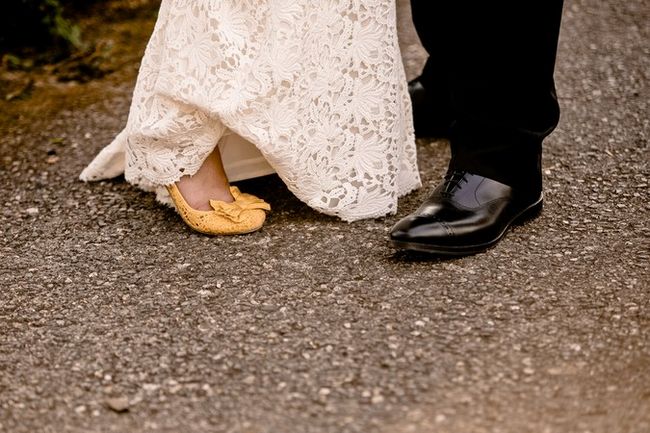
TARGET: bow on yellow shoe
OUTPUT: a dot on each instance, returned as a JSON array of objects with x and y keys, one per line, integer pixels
[
  {"x": 243, "y": 197},
  {"x": 234, "y": 211}
]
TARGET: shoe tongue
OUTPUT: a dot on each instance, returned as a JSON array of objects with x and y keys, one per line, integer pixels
[{"x": 452, "y": 181}]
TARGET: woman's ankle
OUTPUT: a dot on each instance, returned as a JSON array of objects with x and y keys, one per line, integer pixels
[
  {"x": 198, "y": 194},
  {"x": 208, "y": 183}
]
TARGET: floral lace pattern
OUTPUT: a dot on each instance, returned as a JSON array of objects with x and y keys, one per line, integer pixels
[{"x": 317, "y": 86}]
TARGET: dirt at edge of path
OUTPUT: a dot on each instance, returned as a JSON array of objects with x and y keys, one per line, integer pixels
[{"x": 116, "y": 32}]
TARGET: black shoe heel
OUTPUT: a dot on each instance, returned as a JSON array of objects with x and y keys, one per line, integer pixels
[{"x": 529, "y": 214}]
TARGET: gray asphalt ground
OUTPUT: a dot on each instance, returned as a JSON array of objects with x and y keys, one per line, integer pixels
[{"x": 115, "y": 317}]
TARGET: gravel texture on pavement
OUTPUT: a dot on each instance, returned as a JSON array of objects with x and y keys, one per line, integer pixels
[{"x": 115, "y": 317}]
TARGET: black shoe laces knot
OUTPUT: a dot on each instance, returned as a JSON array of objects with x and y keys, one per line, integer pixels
[{"x": 453, "y": 181}]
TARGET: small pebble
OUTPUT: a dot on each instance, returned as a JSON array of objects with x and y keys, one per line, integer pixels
[
  {"x": 118, "y": 404},
  {"x": 249, "y": 380}
]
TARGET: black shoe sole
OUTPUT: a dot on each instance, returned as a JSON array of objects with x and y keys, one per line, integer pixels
[{"x": 526, "y": 214}]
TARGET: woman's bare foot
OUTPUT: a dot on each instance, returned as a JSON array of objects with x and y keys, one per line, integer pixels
[{"x": 209, "y": 183}]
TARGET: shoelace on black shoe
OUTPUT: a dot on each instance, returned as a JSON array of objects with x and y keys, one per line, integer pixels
[{"x": 452, "y": 181}]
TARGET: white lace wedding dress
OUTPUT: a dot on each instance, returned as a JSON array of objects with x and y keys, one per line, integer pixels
[{"x": 314, "y": 91}]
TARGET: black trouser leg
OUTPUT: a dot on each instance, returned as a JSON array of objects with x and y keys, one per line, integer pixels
[
  {"x": 495, "y": 62},
  {"x": 432, "y": 113}
]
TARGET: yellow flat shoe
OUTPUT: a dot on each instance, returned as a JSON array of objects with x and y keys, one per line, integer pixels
[{"x": 245, "y": 215}]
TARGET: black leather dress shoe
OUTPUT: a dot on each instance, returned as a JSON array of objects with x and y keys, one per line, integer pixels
[
  {"x": 416, "y": 92},
  {"x": 430, "y": 117},
  {"x": 467, "y": 214}
]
